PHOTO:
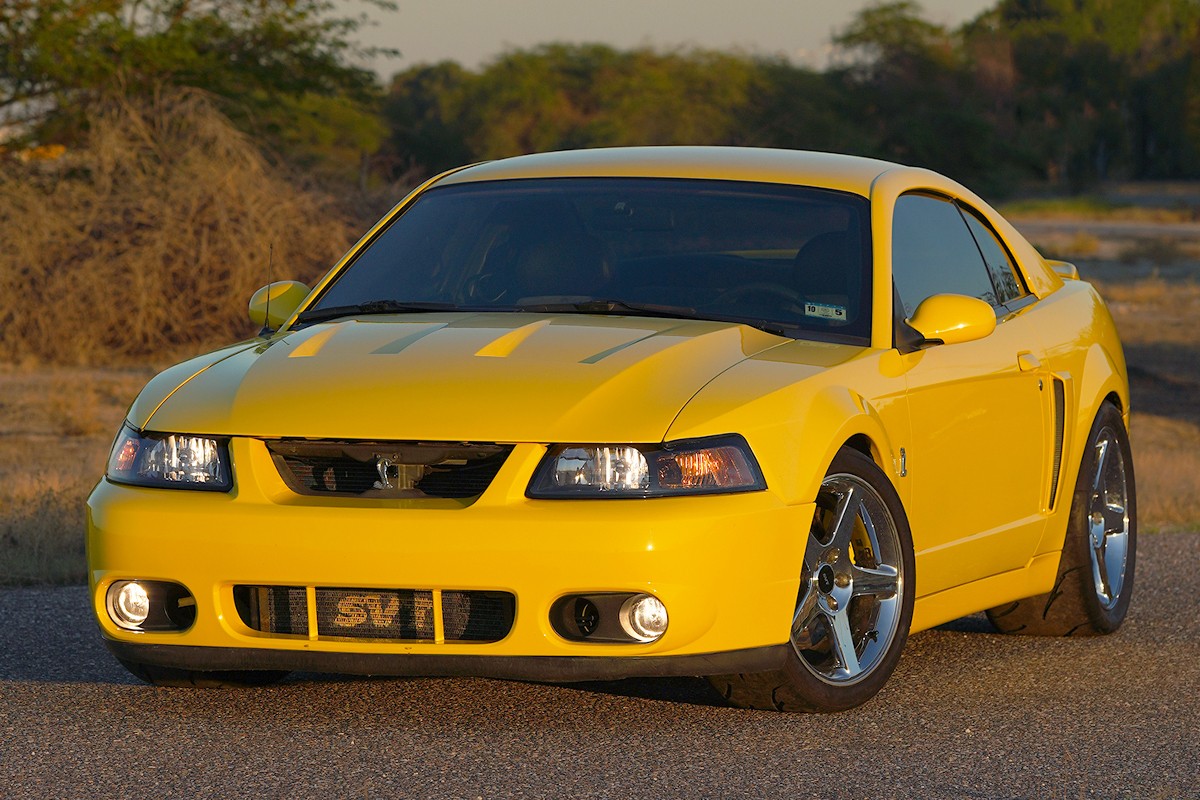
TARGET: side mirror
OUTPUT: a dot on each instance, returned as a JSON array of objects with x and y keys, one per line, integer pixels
[
  {"x": 952, "y": 318},
  {"x": 274, "y": 303}
]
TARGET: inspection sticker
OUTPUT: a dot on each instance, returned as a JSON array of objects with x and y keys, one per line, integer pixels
[{"x": 825, "y": 311}]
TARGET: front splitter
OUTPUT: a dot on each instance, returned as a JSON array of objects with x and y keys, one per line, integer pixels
[{"x": 528, "y": 668}]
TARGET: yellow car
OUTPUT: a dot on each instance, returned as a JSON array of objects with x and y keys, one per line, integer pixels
[{"x": 755, "y": 415}]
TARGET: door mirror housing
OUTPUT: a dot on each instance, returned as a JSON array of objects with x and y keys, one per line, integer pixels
[
  {"x": 951, "y": 319},
  {"x": 274, "y": 303}
]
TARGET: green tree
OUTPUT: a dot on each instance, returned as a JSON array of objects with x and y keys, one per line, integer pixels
[
  {"x": 562, "y": 96},
  {"x": 801, "y": 109},
  {"x": 280, "y": 66},
  {"x": 424, "y": 112},
  {"x": 912, "y": 91},
  {"x": 1099, "y": 88}
]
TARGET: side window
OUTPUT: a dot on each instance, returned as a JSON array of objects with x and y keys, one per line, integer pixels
[
  {"x": 933, "y": 252},
  {"x": 999, "y": 265}
]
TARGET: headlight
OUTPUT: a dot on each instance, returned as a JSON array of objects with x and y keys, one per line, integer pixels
[
  {"x": 695, "y": 466},
  {"x": 173, "y": 460}
]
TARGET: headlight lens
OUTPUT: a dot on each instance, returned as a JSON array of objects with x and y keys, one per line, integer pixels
[
  {"x": 694, "y": 466},
  {"x": 173, "y": 460}
]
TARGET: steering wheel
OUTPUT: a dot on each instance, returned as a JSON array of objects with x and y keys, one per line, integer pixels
[{"x": 486, "y": 287}]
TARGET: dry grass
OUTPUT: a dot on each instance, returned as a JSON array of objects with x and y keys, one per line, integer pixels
[
  {"x": 1092, "y": 208},
  {"x": 1158, "y": 250},
  {"x": 1155, "y": 310},
  {"x": 1166, "y": 457},
  {"x": 42, "y": 520},
  {"x": 1156, "y": 316},
  {"x": 147, "y": 241},
  {"x": 143, "y": 245},
  {"x": 56, "y": 426}
]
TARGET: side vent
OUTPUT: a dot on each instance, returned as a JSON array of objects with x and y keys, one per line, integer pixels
[{"x": 1060, "y": 412}]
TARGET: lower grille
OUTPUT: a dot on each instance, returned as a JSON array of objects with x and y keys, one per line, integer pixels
[
  {"x": 273, "y": 609},
  {"x": 477, "y": 616},
  {"x": 374, "y": 614},
  {"x": 378, "y": 614}
]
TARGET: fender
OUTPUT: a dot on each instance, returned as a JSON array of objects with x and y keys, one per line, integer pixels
[
  {"x": 803, "y": 423},
  {"x": 837, "y": 415},
  {"x": 1097, "y": 374},
  {"x": 167, "y": 382}
]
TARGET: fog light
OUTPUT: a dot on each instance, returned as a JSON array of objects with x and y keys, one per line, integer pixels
[
  {"x": 644, "y": 617},
  {"x": 128, "y": 604}
]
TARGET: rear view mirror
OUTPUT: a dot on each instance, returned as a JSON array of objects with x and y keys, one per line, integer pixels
[
  {"x": 952, "y": 318},
  {"x": 271, "y": 305}
]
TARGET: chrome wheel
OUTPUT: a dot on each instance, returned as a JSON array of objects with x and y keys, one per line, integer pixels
[
  {"x": 855, "y": 600},
  {"x": 1108, "y": 519},
  {"x": 849, "y": 605}
]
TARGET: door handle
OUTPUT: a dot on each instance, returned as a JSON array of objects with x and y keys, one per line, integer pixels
[{"x": 1028, "y": 362}]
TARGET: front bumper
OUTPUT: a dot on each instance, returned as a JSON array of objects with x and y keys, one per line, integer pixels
[{"x": 726, "y": 567}]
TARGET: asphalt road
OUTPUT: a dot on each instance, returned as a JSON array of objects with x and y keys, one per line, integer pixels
[{"x": 969, "y": 714}]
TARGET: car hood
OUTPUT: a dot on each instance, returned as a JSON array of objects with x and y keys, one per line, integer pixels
[{"x": 457, "y": 377}]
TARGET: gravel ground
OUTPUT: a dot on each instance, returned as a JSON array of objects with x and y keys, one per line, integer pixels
[{"x": 968, "y": 714}]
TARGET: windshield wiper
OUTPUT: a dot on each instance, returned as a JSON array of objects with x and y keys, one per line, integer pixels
[
  {"x": 376, "y": 307},
  {"x": 622, "y": 308},
  {"x": 614, "y": 307}
]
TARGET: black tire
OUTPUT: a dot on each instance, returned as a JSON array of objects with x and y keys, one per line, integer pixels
[
  {"x": 856, "y": 586},
  {"x": 227, "y": 679},
  {"x": 1090, "y": 596}
]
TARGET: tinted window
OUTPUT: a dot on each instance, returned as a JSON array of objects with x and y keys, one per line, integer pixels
[
  {"x": 999, "y": 265},
  {"x": 933, "y": 252},
  {"x": 789, "y": 258}
]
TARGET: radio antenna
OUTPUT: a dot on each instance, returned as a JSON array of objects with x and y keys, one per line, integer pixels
[{"x": 266, "y": 328}]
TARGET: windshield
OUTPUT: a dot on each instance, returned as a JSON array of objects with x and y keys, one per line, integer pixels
[{"x": 793, "y": 260}]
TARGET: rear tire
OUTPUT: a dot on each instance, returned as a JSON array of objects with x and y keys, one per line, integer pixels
[
  {"x": 1095, "y": 574},
  {"x": 225, "y": 679},
  {"x": 855, "y": 602}
]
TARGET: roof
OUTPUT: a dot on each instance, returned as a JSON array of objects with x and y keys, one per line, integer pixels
[{"x": 827, "y": 170}]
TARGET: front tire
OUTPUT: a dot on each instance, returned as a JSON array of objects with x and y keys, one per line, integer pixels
[
  {"x": 855, "y": 602},
  {"x": 1095, "y": 574}
]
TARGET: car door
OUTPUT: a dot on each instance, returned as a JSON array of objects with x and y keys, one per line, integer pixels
[{"x": 977, "y": 456}]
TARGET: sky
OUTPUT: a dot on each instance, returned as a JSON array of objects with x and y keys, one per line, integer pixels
[{"x": 472, "y": 32}]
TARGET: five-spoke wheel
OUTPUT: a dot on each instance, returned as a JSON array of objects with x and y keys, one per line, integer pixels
[
  {"x": 854, "y": 603},
  {"x": 851, "y": 586}
]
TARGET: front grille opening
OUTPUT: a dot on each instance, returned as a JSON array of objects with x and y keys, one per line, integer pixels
[
  {"x": 375, "y": 614},
  {"x": 378, "y": 614},
  {"x": 387, "y": 469},
  {"x": 477, "y": 616},
  {"x": 273, "y": 609}
]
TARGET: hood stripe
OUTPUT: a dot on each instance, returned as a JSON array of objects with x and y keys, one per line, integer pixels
[
  {"x": 409, "y": 339},
  {"x": 504, "y": 346},
  {"x": 603, "y": 354}
]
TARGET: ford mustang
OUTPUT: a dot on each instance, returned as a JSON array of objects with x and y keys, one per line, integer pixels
[{"x": 754, "y": 415}]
